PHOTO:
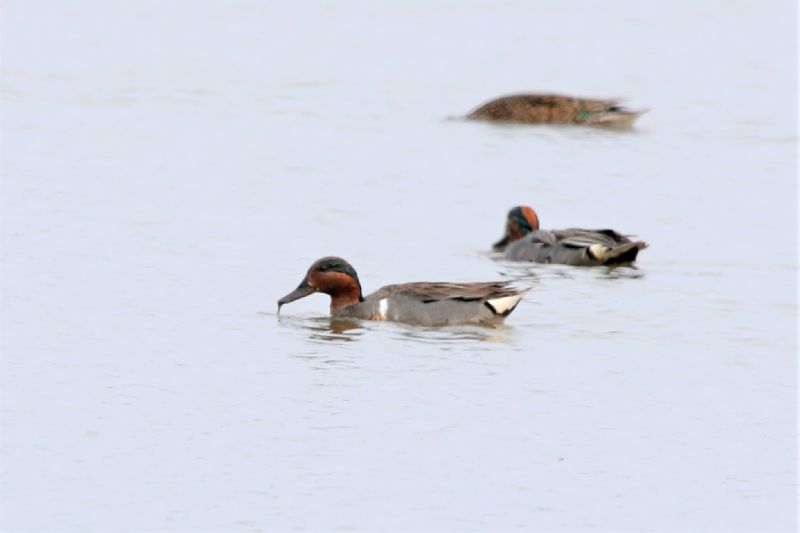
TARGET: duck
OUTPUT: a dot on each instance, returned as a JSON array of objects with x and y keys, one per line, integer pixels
[
  {"x": 420, "y": 303},
  {"x": 556, "y": 109},
  {"x": 524, "y": 241}
]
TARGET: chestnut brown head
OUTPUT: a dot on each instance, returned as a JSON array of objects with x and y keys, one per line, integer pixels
[
  {"x": 330, "y": 275},
  {"x": 520, "y": 221}
]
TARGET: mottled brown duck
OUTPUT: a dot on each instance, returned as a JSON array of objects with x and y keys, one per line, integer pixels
[{"x": 556, "y": 109}]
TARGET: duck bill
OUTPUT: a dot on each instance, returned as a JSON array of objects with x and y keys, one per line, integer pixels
[
  {"x": 500, "y": 245},
  {"x": 302, "y": 290}
]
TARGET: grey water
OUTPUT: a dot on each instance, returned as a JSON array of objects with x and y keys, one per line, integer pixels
[{"x": 170, "y": 169}]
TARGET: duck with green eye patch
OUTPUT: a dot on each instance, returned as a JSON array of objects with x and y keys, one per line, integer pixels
[
  {"x": 524, "y": 241},
  {"x": 420, "y": 303}
]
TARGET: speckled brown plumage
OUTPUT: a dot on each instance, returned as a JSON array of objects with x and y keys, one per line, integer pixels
[{"x": 555, "y": 109}]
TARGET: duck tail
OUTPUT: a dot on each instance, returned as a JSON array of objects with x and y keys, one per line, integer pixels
[
  {"x": 505, "y": 304},
  {"x": 622, "y": 254},
  {"x": 617, "y": 117}
]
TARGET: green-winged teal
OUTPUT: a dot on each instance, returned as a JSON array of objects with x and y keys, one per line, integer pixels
[
  {"x": 424, "y": 303},
  {"x": 556, "y": 109},
  {"x": 524, "y": 241}
]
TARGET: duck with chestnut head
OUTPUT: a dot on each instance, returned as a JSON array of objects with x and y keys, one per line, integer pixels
[
  {"x": 421, "y": 303},
  {"x": 524, "y": 241}
]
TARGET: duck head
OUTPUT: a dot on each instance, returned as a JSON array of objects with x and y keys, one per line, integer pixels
[
  {"x": 521, "y": 220},
  {"x": 330, "y": 275}
]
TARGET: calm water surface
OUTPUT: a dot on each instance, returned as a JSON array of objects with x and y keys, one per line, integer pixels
[{"x": 170, "y": 169}]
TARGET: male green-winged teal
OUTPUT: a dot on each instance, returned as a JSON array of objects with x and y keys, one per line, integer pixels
[
  {"x": 524, "y": 241},
  {"x": 556, "y": 109},
  {"x": 424, "y": 303}
]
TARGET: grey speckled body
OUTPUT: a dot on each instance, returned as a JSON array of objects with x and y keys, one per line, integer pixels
[
  {"x": 576, "y": 247},
  {"x": 436, "y": 303}
]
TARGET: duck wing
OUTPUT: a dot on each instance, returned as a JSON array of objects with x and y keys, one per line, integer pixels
[{"x": 582, "y": 247}]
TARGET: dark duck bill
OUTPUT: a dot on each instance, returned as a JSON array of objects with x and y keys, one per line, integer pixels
[{"x": 302, "y": 290}]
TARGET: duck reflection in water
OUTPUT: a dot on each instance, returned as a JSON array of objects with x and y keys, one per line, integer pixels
[{"x": 324, "y": 328}]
